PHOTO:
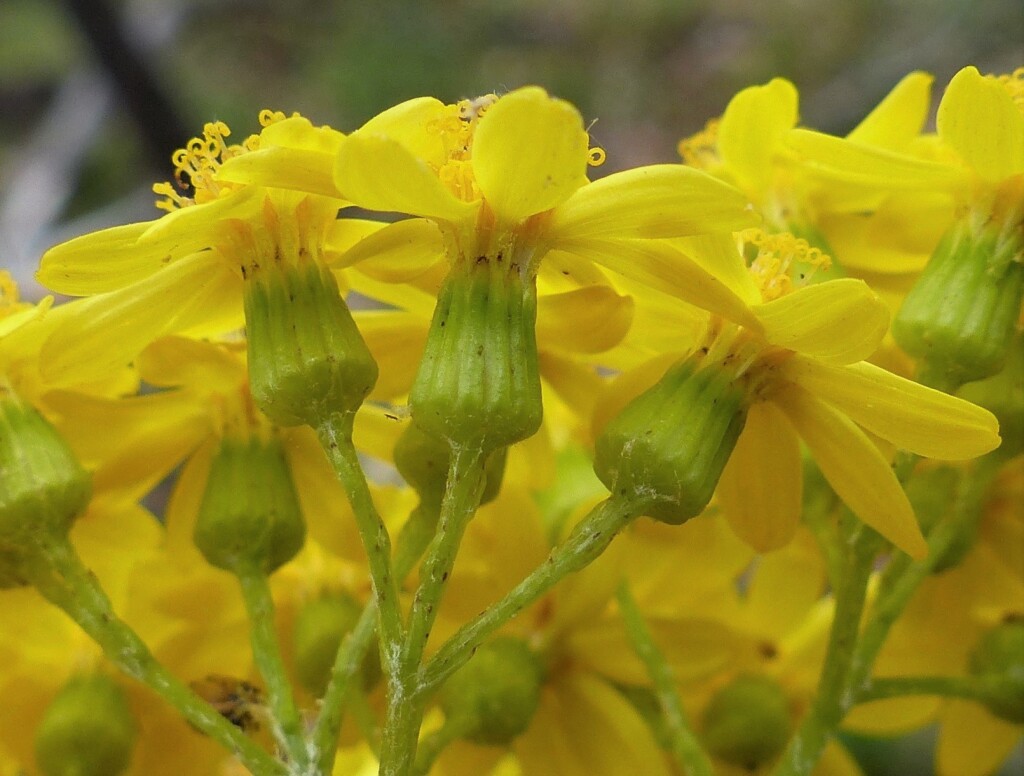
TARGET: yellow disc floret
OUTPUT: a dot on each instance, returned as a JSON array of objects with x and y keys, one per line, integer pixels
[{"x": 773, "y": 265}]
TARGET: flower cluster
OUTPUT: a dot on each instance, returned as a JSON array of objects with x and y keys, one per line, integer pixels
[{"x": 678, "y": 469}]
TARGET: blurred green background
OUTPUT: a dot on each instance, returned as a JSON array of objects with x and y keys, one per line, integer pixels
[{"x": 96, "y": 95}]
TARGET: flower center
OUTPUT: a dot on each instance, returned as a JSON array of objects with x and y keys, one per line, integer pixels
[
  {"x": 9, "y": 298},
  {"x": 780, "y": 263},
  {"x": 1014, "y": 85},
  {"x": 701, "y": 149},
  {"x": 196, "y": 165}
]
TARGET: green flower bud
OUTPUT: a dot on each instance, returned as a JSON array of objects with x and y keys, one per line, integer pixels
[
  {"x": 249, "y": 519},
  {"x": 43, "y": 488},
  {"x": 88, "y": 730},
  {"x": 959, "y": 317},
  {"x": 319, "y": 629},
  {"x": 423, "y": 459},
  {"x": 478, "y": 384},
  {"x": 1003, "y": 395},
  {"x": 495, "y": 695},
  {"x": 999, "y": 658},
  {"x": 932, "y": 492},
  {"x": 747, "y": 722},
  {"x": 669, "y": 445},
  {"x": 307, "y": 359}
]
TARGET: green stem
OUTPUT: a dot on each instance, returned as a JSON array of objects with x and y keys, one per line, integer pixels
[
  {"x": 347, "y": 664},
  {"x": 335, "y": 434},
  {"x": 412, "y": 541},
  {"x": 588, "y": 540},
  {"x": 405, "y": 704},
  {"x": 971, "y": 687},
  {"x": 831, "y": 701},
  {"x": 259, "y": 605},
  {"x": 59, "y": 575},
  {"x": 686, "y": 749},
  {"x": 903, "y": 577}
]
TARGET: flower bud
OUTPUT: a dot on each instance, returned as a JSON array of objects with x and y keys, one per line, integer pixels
[
  {"x": 959, "y": 317},
  {"x": 88, "y": 730},
  {"x": 669, "y": 445},
  {"x": 307, "y": 359},
  {"x": 478, "y": 384},
  {"x": 249, "y": 519},
  {"x": 747, "y": 722},
  {"x": 495, "y": 695},
  {"x": 932, "y": 491},
  {"x": 999, "y": 657},
  {"x": 423, "y": 459},
  {"x": 319, "y": 629},
  {"x": 43, "y": 488},
  {"x": 1003, "y": 395}
]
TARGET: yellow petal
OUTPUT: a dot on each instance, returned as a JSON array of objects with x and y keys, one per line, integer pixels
[
  {"x": 844, "y": 160},
  {"x": 972, "y": 742},
  {"x": 413, "y": 124},
  {"x": 662, "y": 267},
  {"x": 14, "y": 321},
  {"x": 761, "y": 486},
  {"x": 101, "y": 261},
  {"x": 298, "y": 169},
  {"x": 752, "y": 128},
  {"x": 836, "y": 761},
  {"x": 396, "y": 339},
  {"x": 417, "y": 294},
  {"x": 588, "y": 320},
  {"x": 899, "y": 117},
  {"x": 529, "y": 153},
  {"x": 911, "y": 416},
  {"x": 105, "y": 332},
  {"x": 398, "y": 252},
  {"x": 202, "y": 366},
  {"x": 299, "y": 132},
  {"x": 343, "y": 234},
  {"x": 838, "y": 321},
  {"x": 979, "y": 120},
  {"x": 195, "y": 227},
  {"x": 662, "y": 200},
  {"x": 589, "y": 729},
  {"x": 854, "y": 468},
  {"x": 718, "y": 254},
  {"x": 578, "y": 386},
  {"x": 378, "y": 173},
  {"x": 892, "y": 716},
  {"x": 784, "y": 587}
]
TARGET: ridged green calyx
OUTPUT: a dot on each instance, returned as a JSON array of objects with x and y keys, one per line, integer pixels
[
  {"x": 999, "y": 658},
  {"x": 960, "y": 316},
  {"x": 307, "y": 359},
  {"x": 495, "y": 695},
  {"x": 321, "y": 625},
  {"x": 88, "y": 730},
  {"x": 250, "y": 519},
  {"x": 747, "y": 723},
  {"x": 668, "y": 447},
  {"x": 43, "y": 487},
  {"x": 478, "y": 384}
]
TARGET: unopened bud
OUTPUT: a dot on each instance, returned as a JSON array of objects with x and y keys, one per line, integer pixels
[
  {"x": 88, "y": 730},
  {"x": 494, "y": 696},
  {"x": 250, "y": 518},
  {"x": 999, "y": 659},
  {"x": 747, "y": 722},
  {"x": 319, "y": 629}
]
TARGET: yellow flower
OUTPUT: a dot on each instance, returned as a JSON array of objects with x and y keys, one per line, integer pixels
[
  {"x": 799, "y": 355},
  {"x": 505, "y": 178},
  {"x": 185, "y": 273}
]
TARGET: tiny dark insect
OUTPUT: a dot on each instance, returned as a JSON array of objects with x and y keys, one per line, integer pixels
[{"x": 240, "y": 702}]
